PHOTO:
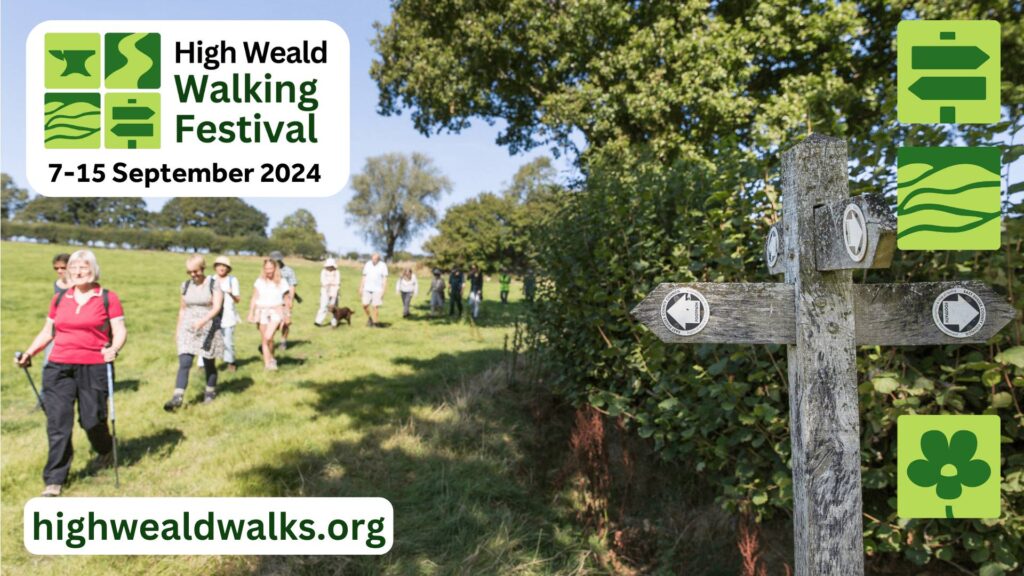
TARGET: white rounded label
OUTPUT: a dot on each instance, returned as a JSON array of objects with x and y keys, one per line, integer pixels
[
  {"x": 855, "y": 232},
  {"x": 771, "y": 247},
  {"x": 685, "y": 311},
  {"x": 959, "y": 312}
]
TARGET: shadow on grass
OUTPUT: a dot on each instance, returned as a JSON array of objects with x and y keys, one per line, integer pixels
[
  {"x": 492, "y": 314},
  {"x": 453, "y": 454},
  {"x": 126, "y": 386},
  {"x": 132, "y": 450}
]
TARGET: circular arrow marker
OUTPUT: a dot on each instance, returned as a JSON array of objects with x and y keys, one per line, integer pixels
[
  {"x": 771, "y": 247},
  {"x": 685, "y": 311},
  {"x": 959, "y": 312},
  {"x": 855, "y": 232}
]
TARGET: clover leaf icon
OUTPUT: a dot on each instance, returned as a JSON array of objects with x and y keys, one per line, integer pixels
[{"x": 948, "y": 465}]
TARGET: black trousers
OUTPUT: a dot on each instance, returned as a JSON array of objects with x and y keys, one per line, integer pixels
[
  {"x": 456, "y": 300},
  {"x": 64, "y": 384}
]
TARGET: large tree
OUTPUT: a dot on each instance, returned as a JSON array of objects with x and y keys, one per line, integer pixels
[
  {"x": 297, "y": 234},
  {"x": 395, "y": 197},
  {"x": 14, "y": 198},
  {"x": 224, "y": 216},
  {"x": 494, "y": 231}
]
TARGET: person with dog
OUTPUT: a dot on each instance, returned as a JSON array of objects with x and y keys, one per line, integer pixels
[
  {"x": 199, "y": 330},
  {"x": 293, "y": 281},
  {"x": 330, "y": 282},
  {"x": 372, "y": 288},
  {"x": 455, "y": 280},
  {"x": 476, "y": 290},
  {"x": 86, "y": 326},
  {"x": 407, "y": 287},
  {"x": 437, "y": 294},
  {"x": 232, "y": 290},
  {"x": 270, "y": 297}
]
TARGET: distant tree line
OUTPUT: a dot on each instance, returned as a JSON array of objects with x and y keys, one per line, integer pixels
[{"x": 214, "y": 224}]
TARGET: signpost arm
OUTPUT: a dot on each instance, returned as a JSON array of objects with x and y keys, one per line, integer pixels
[{"x": 824, "y": 421}]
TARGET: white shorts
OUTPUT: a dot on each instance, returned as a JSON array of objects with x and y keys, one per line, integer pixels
[
  {"x": 372, "y": 298},
  {"x": 268, "y": 315}
]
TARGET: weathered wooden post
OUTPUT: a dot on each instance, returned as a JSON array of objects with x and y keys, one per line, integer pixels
[{"x": 822, "y": 316}]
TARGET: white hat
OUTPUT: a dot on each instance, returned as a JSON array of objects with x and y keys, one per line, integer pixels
[
  {"x": 329, "y": 263},
  {"x": 223, "y": 260}
]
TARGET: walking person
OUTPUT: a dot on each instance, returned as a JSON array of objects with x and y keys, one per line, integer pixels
[
  {"x": 476, "y": 290},
  {"x": 293, "y": 282},
  {"x": 505, "y": 282},
  {"x": 270, "y": 297},
  {"x": 86, "y": 326},
  {"x": 199, "y": 330},
  {"x": 330, "y": 282},
  {"x": 455, "y": 280},
  {"x": 372, "y": 287},
  {"x": 232, "y": 290},
  {"x": 407, "y": 287},
  {"x": 529, "y": 286},
  {"x": 60, "y": 266},
  {"x": 437, "y": 294}
]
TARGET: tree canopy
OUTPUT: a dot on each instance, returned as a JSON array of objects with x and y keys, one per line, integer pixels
[
  {"x": 297, "y": 234},
  {"x": 14, "y": 198},
  {"x": 93, "y": 212},
  {"x": 395, "y": 198},
  {"x": 224, "y": 216}
]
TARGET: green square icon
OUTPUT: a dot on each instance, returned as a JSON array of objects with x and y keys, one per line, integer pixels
[
  {"x": 71, "y": 120},
  {"x": 947, "y": 71},
  {"x": 947, "y": 466},
  {"x": 948, "y": 198},
  {"x": 71, "y": 61},
  {"x": 132, "y": 120},
  {"x": 131, "y": 60}
]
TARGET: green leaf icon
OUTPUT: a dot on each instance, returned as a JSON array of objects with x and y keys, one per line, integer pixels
[{"x": 949, "y": 465}]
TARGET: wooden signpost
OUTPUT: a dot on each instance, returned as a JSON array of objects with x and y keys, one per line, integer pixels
[{"x": 822, "y": 316}]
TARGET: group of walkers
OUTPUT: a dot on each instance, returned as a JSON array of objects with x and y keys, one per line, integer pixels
[{"x": 85, "y": 330}]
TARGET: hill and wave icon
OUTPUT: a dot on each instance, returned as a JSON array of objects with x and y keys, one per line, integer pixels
[
  {"x": 948, "y": 199},
  {"x": 71, "y": 120}
]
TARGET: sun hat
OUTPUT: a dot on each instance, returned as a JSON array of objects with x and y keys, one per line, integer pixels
[
  {"x": 223, "y": 260},
  {"x": 276, "y": 255},
  {"x": 329, "y": 263}
]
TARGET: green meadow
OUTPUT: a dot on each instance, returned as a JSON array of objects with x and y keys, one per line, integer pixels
[{"x": 420, "y": 413}]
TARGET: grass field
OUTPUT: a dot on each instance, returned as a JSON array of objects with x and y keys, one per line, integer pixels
[{"x": 418, "y": 413}]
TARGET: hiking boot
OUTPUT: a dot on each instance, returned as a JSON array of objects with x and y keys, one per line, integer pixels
[
  {"x": 283, "y": 344},
  {"x": 232, "y": 367},
  {"x": 369, "y": 323},
  {"x": 209, "y": 396},
  {"x": 271, "y": 366},
  {"x": 174, "y": 403},
  {"x": 102, "y": 461},
  {"x": 51, "y": 490}
]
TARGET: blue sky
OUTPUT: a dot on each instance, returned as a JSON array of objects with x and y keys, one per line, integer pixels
[{"x": 471, "y": 159}]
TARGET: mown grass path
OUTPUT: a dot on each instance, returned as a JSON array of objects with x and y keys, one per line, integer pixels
[{"x": 416, "y": 413}]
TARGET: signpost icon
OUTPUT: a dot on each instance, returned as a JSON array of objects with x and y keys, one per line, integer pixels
[
  {"x": 948, "y": 71},
  {"x": 132, "y": 120}
]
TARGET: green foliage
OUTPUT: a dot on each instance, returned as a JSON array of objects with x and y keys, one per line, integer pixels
[
  {"x": 394, "y": 198},
  {"x": 494, "y": 231},
  {"x": 224, "y": 216},
  {"x": 14, "y": 198},
  {"x": 297, "y": 234},
  {"x": 90, "y": 212},
  {"x": 684, "y": 108},
  {"x": 192, "y": 239}
]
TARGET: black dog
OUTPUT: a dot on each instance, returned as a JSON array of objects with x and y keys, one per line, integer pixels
[{"x": 339, "y": 314}]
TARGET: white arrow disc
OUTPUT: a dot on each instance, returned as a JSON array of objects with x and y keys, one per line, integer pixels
[
  {"x": 959, "y": 312},
  {"x": 855, "y": 232},
  {"x": 685, "y": 311}
]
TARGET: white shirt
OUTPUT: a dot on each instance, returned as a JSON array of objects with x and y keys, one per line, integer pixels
[
  {"x": 229, "y": 285},
  {"x": 270, "y": 294},
  {"x": 330, "y": 280},
  {"x": 374, "y": 276},
  {"x": 410, "y": 285}
]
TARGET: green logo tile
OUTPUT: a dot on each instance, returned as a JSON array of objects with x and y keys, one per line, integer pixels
[
  {"x": 71, "y": 120},
  {"x": 72, "y": 61},
  {"x": 948, "y": 71},
  {"x": 132, "y": 120},
  {"x": 132, "y": 60},
  {"x": 948, "y": 198},
  {"x": 948, "y": 466}
]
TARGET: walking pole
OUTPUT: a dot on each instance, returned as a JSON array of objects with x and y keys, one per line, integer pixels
[
  {"x": 113, "y": 421},
  {"x": 17, "y": 356}
]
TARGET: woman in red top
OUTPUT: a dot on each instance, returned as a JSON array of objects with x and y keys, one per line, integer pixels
[{"x": 86, "y": 325}]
